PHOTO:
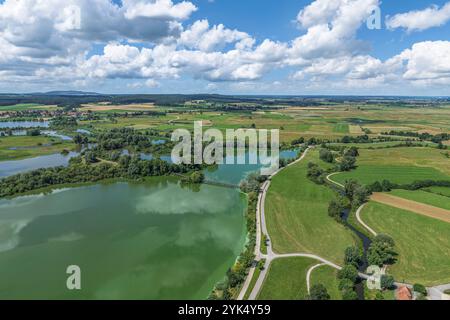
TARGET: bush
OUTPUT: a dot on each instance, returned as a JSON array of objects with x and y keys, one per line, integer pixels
[
  {"x": 349, "y": 295},
  {"x": 387, "y": 282},
  {"x": 420, "y": 288},
  {"x": 319, "y": 292}
]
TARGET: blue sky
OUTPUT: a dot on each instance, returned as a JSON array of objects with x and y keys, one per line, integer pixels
[{"x": 265, "y": 46}]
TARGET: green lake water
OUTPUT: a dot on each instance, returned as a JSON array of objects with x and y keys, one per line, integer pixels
[{"x": 156, "y": 240}]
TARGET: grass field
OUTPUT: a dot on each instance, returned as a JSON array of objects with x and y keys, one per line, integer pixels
[
  {"x": 327, "y": 276},
  {"x": 424, "y": 197},
  {"x": 399, "y": 165},
  {"x": 286, "y": 279},
  {"x": 30, "y": 147},
  {"x": 423, "y": 243},
  {"x": 341, "y": 128},
  {"x": 27, "y": 106},
  {"x": 297, "y": 215},
  {"x": 443, "y": 191}
]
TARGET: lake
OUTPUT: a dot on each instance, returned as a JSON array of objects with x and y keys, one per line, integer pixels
[
  {"x": 24, "y": 124},
  {"x": 156, "y": 240},
  {"x": 9, "y": 168}
]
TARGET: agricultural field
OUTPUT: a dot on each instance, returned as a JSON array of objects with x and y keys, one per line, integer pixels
[
  {"x": 27, "y": 106},
  {"x": 105, "y": 107},
  {"x": 423, "y": 243},
  {"x": 429, "y": 198},
  {"x": 327, "y": 276},
  {"x": 286, "y": 279},
  {"x": 20, "y": 147},
  {"x": 297, "y": 215},
  {"x": 399, "y": 165}
]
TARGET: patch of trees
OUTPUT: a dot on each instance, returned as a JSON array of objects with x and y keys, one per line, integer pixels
[
  {"x": 348, "y": 276},
  {"x": 356, "y": 193},
  {"x": 319, "y": 292},
  {"x": 33, "y": 132},
  {"x": 252, "y": 183},
  {"x": 425, "y": 136},
  {"x": 381, "y": 251},
  {"x": 326, "y": 155},
  {"x": 359, "y": 139},
  {"x": 315, "y": 173},
  {"x": 196, "y": 177},
  {"x": 80, "y": 170},
  {"x": 337, "y": 207},
  {"x": 63, "y": 122}
]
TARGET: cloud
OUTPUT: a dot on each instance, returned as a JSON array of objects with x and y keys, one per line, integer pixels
[
  {"x": 146, "y": 41},
  {"x": 421, "y": 19}
]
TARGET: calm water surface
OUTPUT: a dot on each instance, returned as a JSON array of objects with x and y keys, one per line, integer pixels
[{"x": 156, "y": 240}]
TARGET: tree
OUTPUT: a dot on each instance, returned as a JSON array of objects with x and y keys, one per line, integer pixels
[
  {"x": 90, "y": 157},
  {"x": 346, "y": 285},
  {"x": 335, "y": 209},
  {"x": 326, "y": 155},
  {"x": 353, "y": 256},
  {"x": 352, "y": 152},
  {"x": 78, "y": 139},
  {"x": 347, "y": 163},
  {"x": 197, "y": 177},
  {"x": 387, "y": 282},
  {"x": 319, "y": 292},
  {"x": 381, "y": 251},
  {"x": 348, "y": 272},
  {"x": 349, "y": 295}
]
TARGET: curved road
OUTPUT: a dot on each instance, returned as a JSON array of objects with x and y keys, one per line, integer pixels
[{"x": 270, "y": 256}]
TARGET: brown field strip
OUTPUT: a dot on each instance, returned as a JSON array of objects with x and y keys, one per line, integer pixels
[{"x": 413, "y": 206}]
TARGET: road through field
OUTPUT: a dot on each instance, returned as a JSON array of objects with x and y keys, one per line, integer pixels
[{"x": 413, "y": 206}]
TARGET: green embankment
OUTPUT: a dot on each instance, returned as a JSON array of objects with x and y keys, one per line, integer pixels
[
  {"x": 423, "y": 243},
  {"x": 297, "y": 215}
]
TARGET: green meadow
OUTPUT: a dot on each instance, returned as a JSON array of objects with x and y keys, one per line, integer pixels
[
  {"x": 327, "y": 276},
  {"x": 398, "y": 165},
  {"x": 423, "y": 243},
  {"x": 297, "y": 215},
  {"x": 286, "y": 279}
]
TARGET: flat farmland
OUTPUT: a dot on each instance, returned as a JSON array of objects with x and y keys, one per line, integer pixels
[
  {"x": 399, "y": 165},
  {"x": 423, "y": 243}
]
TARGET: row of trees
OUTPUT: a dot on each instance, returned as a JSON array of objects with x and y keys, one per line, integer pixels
[{"x": 235, "y": 277}]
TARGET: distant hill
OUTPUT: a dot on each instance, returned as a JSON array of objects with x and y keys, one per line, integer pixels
[{"x": 69, "y": 93}]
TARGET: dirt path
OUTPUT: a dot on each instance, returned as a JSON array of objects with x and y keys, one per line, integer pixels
[{"x": 413, "y": 206}]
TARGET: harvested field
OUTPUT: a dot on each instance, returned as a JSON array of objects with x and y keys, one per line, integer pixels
[
  {"x": 127, "y": 107},
  {"x": 413, "y": 206}
]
